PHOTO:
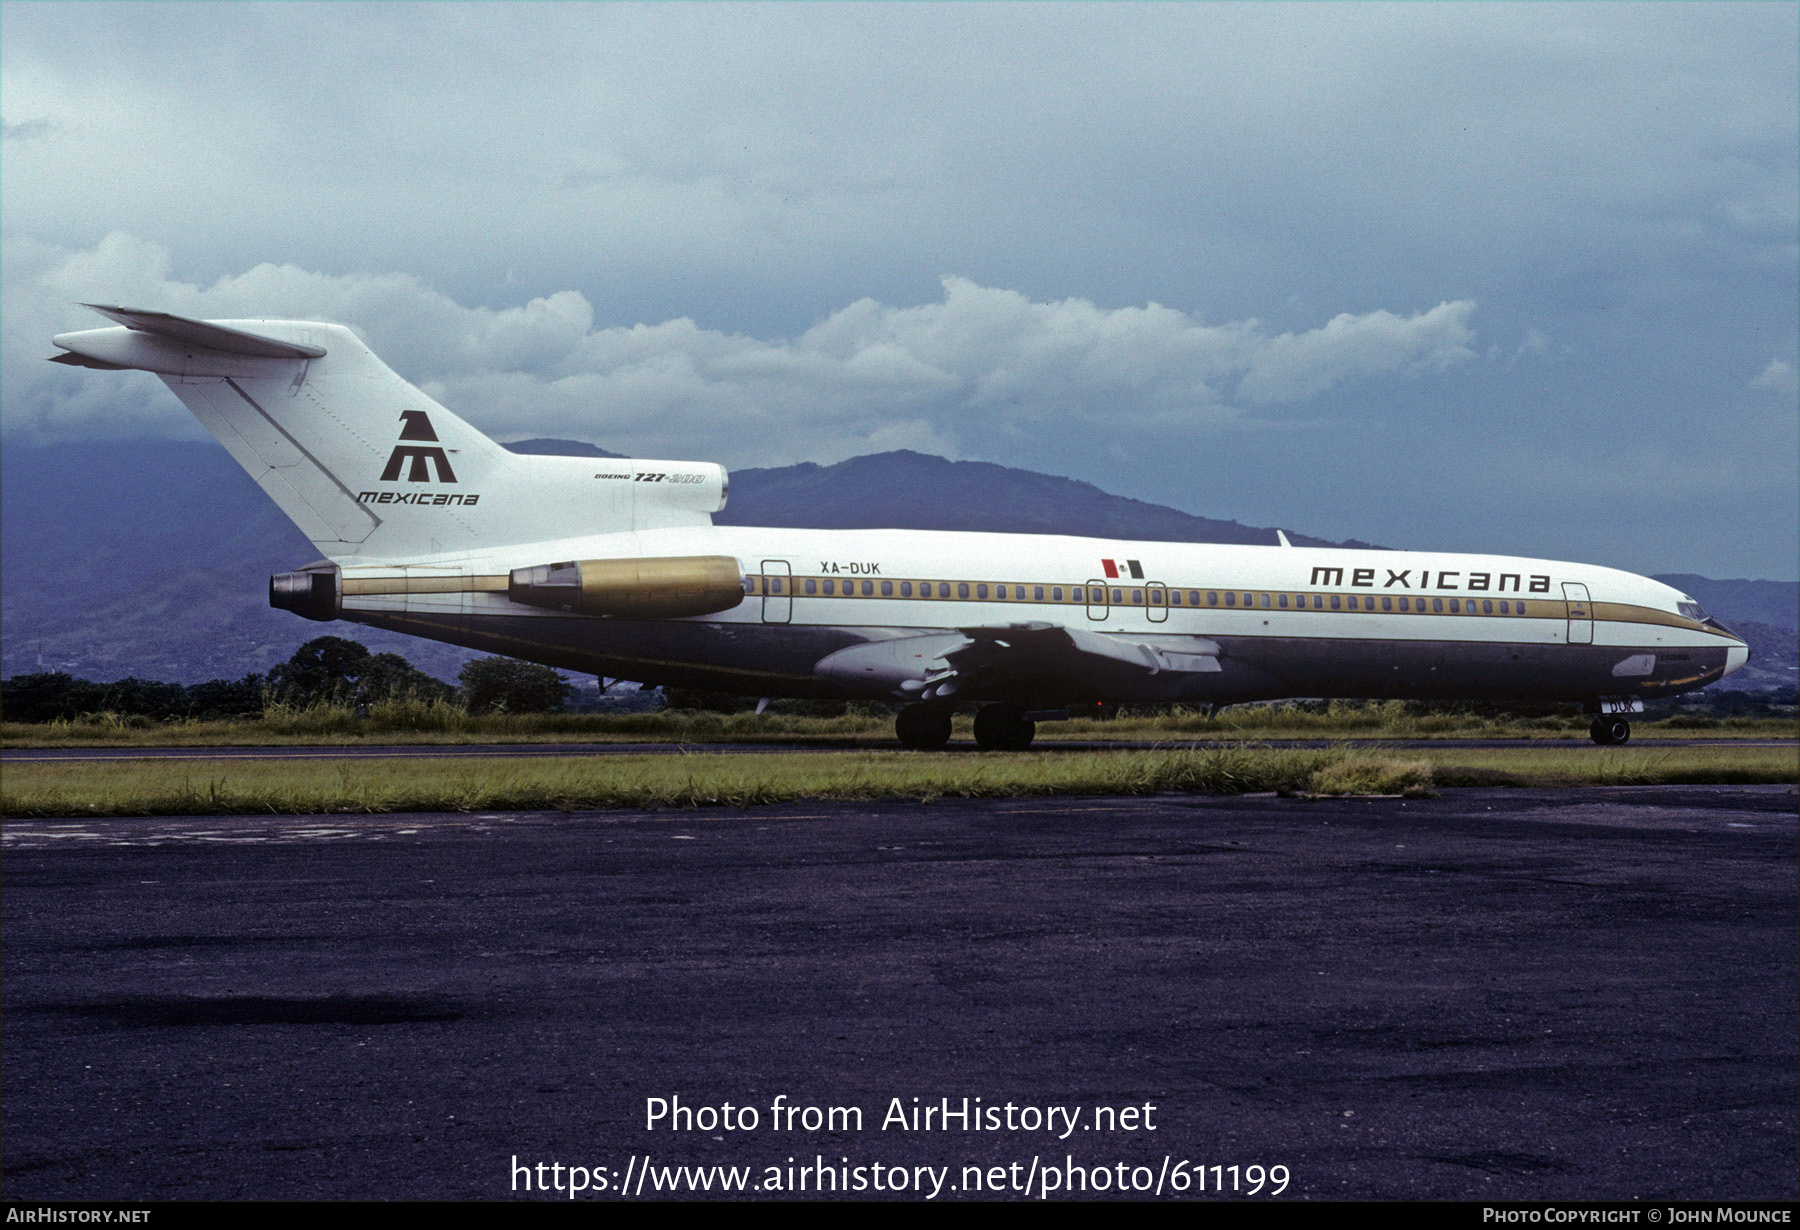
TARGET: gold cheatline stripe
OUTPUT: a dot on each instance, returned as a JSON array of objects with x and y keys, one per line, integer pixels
[{"x": 367, "y": 586}]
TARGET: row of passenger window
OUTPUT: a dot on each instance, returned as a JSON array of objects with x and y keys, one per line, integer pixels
[
  {"x": 1358, "y": 602},
  {"x": 1098, "y": 595}
]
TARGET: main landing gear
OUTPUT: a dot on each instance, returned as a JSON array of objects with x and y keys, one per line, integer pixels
[
  {"x": 998, "y": 728},
  {"x": 1003, "y": 728},
  {"x": 1609, "y": 731},
  {"x": 923, "y": 728}
]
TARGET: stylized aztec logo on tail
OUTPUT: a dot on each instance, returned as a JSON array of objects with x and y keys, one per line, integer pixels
[{"x": 418, "y": 427}]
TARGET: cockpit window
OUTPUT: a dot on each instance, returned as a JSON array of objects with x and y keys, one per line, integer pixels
[{"x": 1690, "y": 608}]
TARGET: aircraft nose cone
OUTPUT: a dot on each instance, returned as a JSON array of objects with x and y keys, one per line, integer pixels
[{"x": 1736, "y": 656}]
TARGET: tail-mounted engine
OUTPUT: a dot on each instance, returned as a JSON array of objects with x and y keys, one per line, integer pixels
[
  {"x": 312, "y": 592},
  {"x": 667, "y": 588}
]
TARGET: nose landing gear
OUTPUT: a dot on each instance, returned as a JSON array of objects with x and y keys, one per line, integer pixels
[{"x": 1609, "y": 731}]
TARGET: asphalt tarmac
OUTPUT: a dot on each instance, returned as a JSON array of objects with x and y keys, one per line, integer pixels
[{"x": 1495, "y": 994}]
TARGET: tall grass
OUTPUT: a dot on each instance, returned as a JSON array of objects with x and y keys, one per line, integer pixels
[
  {"x": 198, "y": 787},
  {"x": 578, "y": 783},
  {"x": 438, "y": 721}
]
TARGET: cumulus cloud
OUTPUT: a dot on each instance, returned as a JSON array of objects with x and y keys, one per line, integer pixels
[
  {"x": 1778, "y": 377},
  {"x": 867, "y": 377}
]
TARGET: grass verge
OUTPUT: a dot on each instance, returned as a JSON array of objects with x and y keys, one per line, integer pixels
[
  {"x": 413, "y": 722},
  {"x": 579, "y": 783}
]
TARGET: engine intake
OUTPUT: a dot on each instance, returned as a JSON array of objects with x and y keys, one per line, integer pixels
[{"x": 662, "y": 588}]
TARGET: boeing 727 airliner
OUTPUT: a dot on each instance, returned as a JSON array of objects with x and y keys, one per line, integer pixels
[{"x": 615, "y": 568}]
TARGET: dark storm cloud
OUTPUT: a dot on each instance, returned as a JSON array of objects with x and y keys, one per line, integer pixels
[{"x": 1239, "y": 258}]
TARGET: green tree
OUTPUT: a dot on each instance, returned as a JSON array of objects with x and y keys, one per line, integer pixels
[
  {"x": 506, "y": 685},
  {"x": 334, "y": 670},
  {"x": 322, "y": 671},
  {"x": 388, "y": 676}
]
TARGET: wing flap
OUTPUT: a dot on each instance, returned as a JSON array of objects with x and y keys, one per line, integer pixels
[{"x": 943, "y": 664}]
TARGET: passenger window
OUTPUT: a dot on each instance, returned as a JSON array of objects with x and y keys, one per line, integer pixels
[
  {"x": 1137, "y": 597},
  {"x": 1212, "y": 599},
  {"x": 1037, "y": 593},
  {"x": 1487, "y": 607},
  {"x": 944, "y": 589},
  {"x": 1193, "y": 597},
  {"x": 869, "y": 588},
  {"x": 1156, "y": 597},
  {"x": 774, "y": 585},
  {"x": 1437, "y": 606},
  {"x": 962, "y": 589},
  {"x": 1334, "y": 602},
  {"x": 1263, "y": 601},
  {"x": 905, "y": 589},
  {"x": 812, "y": 587},
  {"x": 887, "y": 589},
  {"x": 1175, "y": 598},
  {"x": 1230, "y": 599},
  {"x": 1518, "y": 608},
  {"x": 1505, "y": 607},
  {"x": 981, "y": 591},
  {"x": 1387, "y": 603},
  {"x": 1056, "y": 593},
  {"x": 1454, "y": 609},
  {"x": 1281, "y": 601},
  {"x": 1118, "y": 596}
]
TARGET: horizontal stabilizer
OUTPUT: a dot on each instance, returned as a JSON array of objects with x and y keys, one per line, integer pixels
[
  {"x": 75, "y": 359},
  {"x": 211, "y": 336}
]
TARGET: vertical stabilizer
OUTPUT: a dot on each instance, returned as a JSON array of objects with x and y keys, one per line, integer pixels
[{"x": 369, "y": 467}]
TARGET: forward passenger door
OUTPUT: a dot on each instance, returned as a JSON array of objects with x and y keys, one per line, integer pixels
[{"x": 1581, "y": 613}]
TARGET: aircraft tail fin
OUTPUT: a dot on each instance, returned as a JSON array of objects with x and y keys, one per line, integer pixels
[{"x": 367, "y": 465}]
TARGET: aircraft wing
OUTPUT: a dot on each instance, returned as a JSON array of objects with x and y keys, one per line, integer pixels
[{"x": 987, "y": 660}]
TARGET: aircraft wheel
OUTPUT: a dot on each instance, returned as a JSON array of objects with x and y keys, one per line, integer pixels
[
  {"x": 1610, "y": 731},
  {"x": 1003, "y": 728},
  {"x": 923, "y": 727}
]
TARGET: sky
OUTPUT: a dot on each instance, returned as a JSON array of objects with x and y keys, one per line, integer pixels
[{"x": 1519, "y": 278}]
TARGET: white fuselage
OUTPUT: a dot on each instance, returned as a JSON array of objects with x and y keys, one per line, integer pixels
[{"x": 1287, "y": 620}]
